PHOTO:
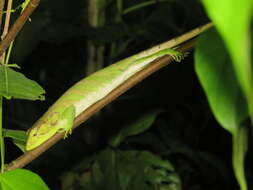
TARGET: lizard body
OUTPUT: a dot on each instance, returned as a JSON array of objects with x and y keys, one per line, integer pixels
[{"x": 86, "y": 92}]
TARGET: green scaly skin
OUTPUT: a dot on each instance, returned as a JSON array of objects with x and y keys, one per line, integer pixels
[{"x": 83, "y": 94}]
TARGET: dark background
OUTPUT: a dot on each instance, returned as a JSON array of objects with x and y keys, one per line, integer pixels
[{"x": 51, "y": 49}]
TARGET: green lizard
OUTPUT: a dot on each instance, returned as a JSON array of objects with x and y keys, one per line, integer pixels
[{"x": 60, "y": 116}]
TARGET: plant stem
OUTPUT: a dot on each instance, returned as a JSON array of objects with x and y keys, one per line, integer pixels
[
  {"x": 8, "y": 53},
  {"x": 1, "y": 135}
]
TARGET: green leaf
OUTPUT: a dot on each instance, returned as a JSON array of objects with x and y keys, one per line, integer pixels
[
  {"x": 21, "y": 179},
  {"x": 15, "y": 134},
  {"x": 232, "y": 20},
  {"x": 216, "y": 75},
  {"x": 18, "y": 136},
  {"x": 16, "y": 85},
  {"x": 137, "y": 127}
]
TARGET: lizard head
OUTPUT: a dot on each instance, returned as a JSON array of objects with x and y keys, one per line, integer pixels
[
  {"x": 42, "y": 130},
  {"x": 49, "y": 124}
]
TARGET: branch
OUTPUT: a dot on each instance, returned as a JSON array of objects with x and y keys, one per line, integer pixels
[
  {"x": 132, "y": 81},
  {"x": 138, "y": 77},
  {"x": 16, "y": 27}
]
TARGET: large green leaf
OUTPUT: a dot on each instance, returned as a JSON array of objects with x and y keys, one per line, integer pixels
[
  {"x": 232, "y": 19},
  {"x": 216, "y": 75},
  {"x": 215, "y": 72},
  {"x": 15, "y": 85},
  {"x": 21, "y": 179}
]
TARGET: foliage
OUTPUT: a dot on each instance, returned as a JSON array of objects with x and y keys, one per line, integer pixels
[
  {"x": 129, "y": 170},
  {"x": 21, "y": 179},
  {"x": 16, "y": 85}
]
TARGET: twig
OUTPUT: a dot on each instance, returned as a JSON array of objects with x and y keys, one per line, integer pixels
[
  {"x": 7, "y": 19},
  {"x": 16, "y": 27},
  {"x": 1, "y": 11},
  {"x": 6, "y": 26}
]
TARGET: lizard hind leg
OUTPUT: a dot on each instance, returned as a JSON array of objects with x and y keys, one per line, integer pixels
[
  {"x": 178, "y": 56},
  {"x": 67, "y": 118}
]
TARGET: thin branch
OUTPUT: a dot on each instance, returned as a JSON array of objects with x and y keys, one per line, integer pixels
[
  {"x": 6, "y": 26},
  {"x": 138, "y": 77},
  {"x": 132, "y": 81},
  {"x": 1, "y": 11},
  {"x": 16, "y": 27}
]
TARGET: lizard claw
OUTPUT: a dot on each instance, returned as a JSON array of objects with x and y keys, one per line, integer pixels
[
  {"x": 179, "y": 56},
  {"x": 68, "y": 132}
]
